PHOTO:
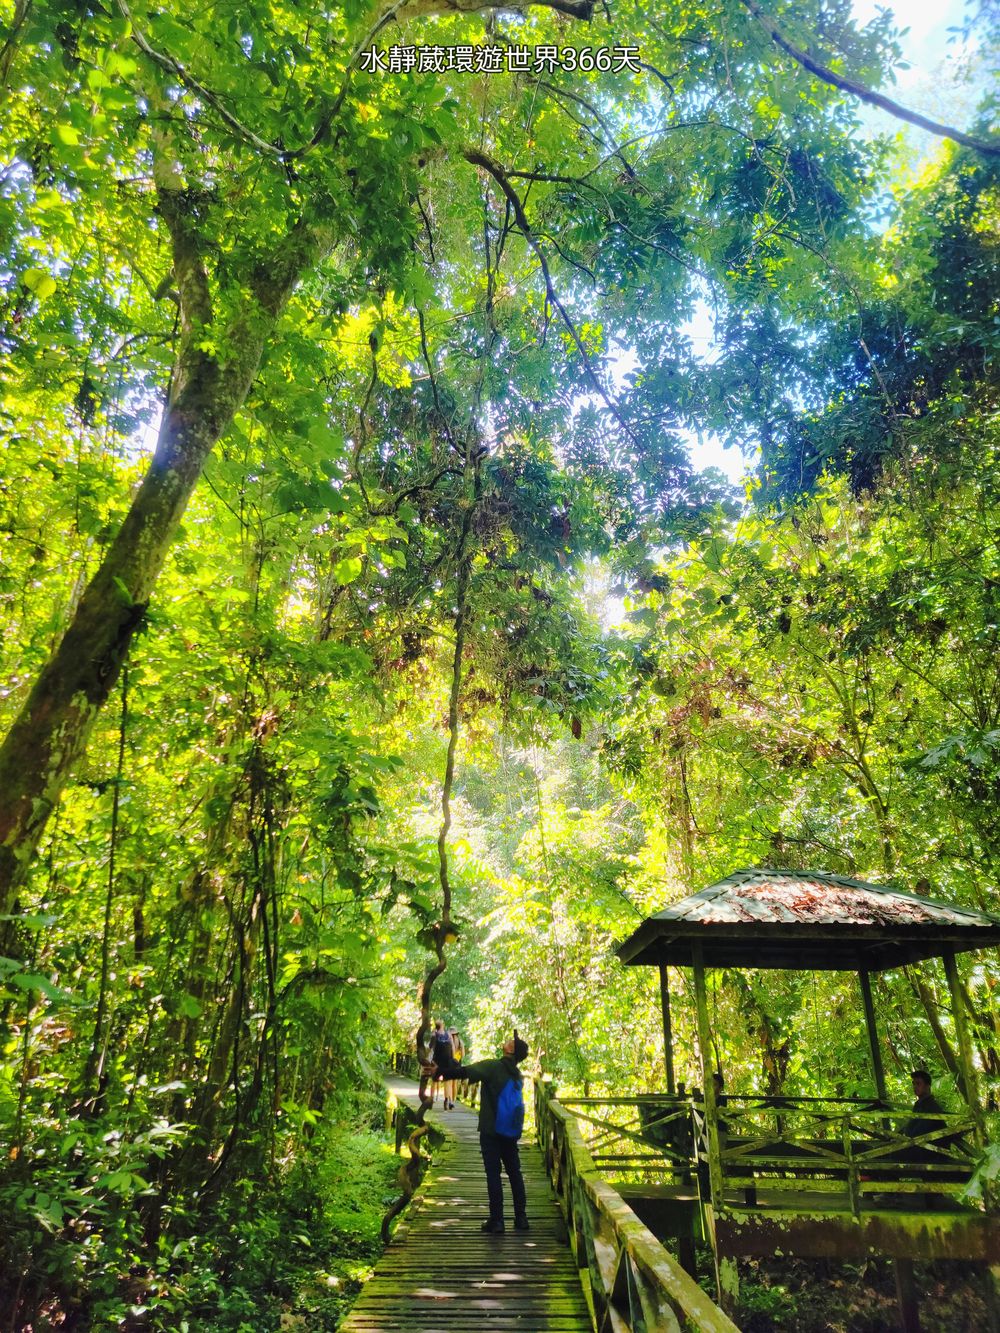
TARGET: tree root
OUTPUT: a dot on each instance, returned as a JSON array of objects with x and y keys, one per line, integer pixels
[{"x": 411, "y": 1172}]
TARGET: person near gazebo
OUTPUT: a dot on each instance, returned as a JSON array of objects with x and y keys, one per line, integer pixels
[{"x": 926, "y": 1104}]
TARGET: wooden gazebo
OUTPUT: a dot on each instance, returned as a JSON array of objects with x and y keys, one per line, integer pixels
[
  {"x": 809, "y": 921},
  {"x": 864, "y": 1154}
]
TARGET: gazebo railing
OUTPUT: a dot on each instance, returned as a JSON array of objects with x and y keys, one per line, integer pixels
[
  {"x": 835, "y": 1147},
  {"x": 845, "y": 1148},
  {"x": 635, "y": 1133}
]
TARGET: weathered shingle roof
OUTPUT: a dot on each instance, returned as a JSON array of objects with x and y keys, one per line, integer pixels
[{"x": 806, "y": 919}]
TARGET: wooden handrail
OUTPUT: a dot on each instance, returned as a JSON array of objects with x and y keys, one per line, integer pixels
[{"x": 633, "y": 1283}]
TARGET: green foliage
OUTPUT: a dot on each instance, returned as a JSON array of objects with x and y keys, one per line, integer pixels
[
  {"x": 799, "y": 1296},
  {"x": 414, "y": 398},
  {"x": 300, "y": 1245}
]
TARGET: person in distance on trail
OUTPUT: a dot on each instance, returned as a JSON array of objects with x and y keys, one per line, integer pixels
[
  {"x": 926, "y": 1104},
  {"x": 457, "y": 1056},
  {"x": 443, "y": 1058},
  {"x": 498, "y": 1100}
]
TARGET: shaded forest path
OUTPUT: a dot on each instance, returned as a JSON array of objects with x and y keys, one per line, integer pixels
[{"x": 441, "y": 1274}]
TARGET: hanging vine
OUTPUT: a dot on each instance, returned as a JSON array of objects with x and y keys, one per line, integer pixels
[{"x": 443, "y": 931}]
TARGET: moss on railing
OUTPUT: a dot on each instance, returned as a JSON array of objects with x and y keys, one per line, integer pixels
[{"x": 629, "y": 1272}]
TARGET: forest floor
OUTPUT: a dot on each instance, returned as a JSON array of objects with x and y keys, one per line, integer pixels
[{"x": 817, "y": 1296}]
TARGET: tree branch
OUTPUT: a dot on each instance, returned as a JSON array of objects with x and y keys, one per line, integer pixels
[
  {"x": 616, "y": 150},
  {"x": 21, "y": 10},
  {"x": 574, "y": 9},
  {"x": 866, "y": 94},
  {"x": 480, "y": 159},
  {"x": 174, "y": 67}
]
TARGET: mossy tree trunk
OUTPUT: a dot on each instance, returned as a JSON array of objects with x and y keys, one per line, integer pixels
[{"x": 51, "y": 732}]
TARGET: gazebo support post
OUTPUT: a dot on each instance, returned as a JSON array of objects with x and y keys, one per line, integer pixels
[
  {"x": 711, "y": 1113},
  {"x": 708, "y": 1084},
  {"x": 668, "y": 1034},
  {"x": 971, "y": 1094},
  {"x": 906, "y": 1295},
  {"x": 878, "y": 1069},
  {"x": 965, "y": 1064}
]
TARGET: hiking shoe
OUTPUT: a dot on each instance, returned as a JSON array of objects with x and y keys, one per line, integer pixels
[
  {"x": 493, "y": 1228},
  {"x": 521, "y": 1223}
]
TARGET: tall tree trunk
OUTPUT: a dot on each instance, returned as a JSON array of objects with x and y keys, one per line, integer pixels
[
  {"x": 443, "y": 928},
  {"x": 926, "y": 997},
  {"x": 53, "y": 728},
  {"x": 93, "y": 1075}
]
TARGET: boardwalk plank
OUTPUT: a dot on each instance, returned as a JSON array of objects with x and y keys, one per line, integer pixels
[{"x": 441, "y": 1274}]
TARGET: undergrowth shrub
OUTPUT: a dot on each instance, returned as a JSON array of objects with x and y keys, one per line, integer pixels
[{"x": 287, "y": 1251}]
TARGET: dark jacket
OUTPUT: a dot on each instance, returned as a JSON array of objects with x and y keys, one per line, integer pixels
[
  {"x": 921, "y": 1124},
  {"x": 493, "y": 1075}
]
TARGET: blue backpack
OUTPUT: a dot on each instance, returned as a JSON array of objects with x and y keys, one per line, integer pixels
[{"x": 510, "y": 1110}]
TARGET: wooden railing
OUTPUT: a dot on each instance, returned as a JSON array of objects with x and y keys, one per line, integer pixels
[
  {"x": 837, "y": 1148},
  {"x": 634, "y": 1285},
  {"x": 636, "y": 1137},
  {"x": 845, "y": 1148}
]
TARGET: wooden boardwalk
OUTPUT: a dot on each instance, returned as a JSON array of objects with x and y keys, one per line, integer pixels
[{"x": 441, "y": 1274}]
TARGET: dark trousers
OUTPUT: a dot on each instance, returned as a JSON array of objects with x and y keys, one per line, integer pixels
[{"x": 497, "y": 1152}]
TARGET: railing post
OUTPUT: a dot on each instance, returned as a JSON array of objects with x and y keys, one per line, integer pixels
[
  {"x": 864, "y": 976},
  {"x": 545, "y": 1091}
]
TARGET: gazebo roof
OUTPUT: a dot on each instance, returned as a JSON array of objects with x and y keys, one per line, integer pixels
[{"x": 806, "y": 919}]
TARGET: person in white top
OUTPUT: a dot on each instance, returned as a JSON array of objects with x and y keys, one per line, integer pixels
[{"x": 457, "y": 1052}]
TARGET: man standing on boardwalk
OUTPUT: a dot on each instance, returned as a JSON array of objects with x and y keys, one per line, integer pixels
[{"x": 500, "y": 1149}]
